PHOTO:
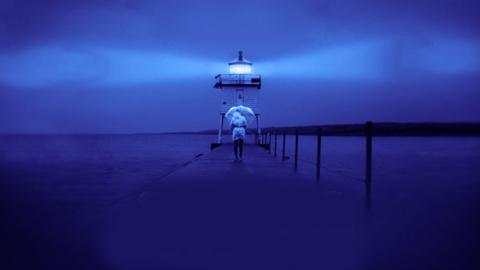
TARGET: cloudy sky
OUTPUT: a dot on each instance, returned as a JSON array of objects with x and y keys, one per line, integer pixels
[{"x": 148, "y": 66}]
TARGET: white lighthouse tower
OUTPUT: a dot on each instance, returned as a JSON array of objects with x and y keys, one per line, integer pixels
[{"x": 239, "y": 87}]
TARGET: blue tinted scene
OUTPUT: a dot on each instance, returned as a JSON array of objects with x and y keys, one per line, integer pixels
[{"x": 266, "y": 134}]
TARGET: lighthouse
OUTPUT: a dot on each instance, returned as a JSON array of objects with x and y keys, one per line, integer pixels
[{"x": 238, "y": 87}]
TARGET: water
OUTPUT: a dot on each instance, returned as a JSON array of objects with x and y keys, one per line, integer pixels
[
  {"x": 423, "y": 156},
  {"x": 55, "y": 189},
  {"x": 424, "y": 195},
  {"x": 100, "y": 168},
  {"x": 90, "y": 169},
  {"x": 436, "y": 173},
  {"x": 423, "y": 202}
]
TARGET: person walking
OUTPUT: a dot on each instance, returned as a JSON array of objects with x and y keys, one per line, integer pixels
[{"x": 238, "y": 126}]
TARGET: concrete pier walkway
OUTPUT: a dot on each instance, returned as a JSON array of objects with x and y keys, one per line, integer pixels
[{"x": 216, "y": 213}]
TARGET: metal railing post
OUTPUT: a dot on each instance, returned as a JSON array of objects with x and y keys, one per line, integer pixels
[
  {"x": 319, "y": 149},
  {"x": 283, "y": 150},
  {"x": 296, "y": 149},
  {"x": 368, "y": 161},
  {"x": 275, "y": 148},
  {"x": 269, "y": 142},
  {"x": 265, "y": 142}
]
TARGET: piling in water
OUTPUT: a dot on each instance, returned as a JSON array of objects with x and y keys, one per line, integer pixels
[
  {"x": 368, "y": 160},
  {"x": 319, "y": 148}
]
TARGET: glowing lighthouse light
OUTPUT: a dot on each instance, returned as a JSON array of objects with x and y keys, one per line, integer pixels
[
  {"x": 240, "y": 69},
  {"x": 240, "y": 65}
]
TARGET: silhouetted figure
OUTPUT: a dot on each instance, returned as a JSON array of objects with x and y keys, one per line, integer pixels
[{"x": 238, "y": 125}]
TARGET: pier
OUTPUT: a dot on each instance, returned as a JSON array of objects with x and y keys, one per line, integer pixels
[{"x": 215, "y": 213}]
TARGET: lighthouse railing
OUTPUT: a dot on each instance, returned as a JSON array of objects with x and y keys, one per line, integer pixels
[{"x": 249, "y": 80}]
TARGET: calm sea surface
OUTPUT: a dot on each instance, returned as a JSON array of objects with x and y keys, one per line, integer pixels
[
  {"x": 92, "y": 169},
  {"x": 99, "y": 168}
]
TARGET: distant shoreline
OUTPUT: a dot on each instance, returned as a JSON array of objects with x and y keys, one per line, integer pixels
[{"x": 379, "y": 129}]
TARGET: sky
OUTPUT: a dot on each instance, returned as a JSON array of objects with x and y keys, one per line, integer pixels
[{"x": 128, "y": 66}]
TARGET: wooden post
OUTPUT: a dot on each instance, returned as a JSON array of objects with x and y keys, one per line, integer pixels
[
  {"x": 275, "y": 148},
  {"x": 283, "y": 150},
  {"x": 269, "y": 142},
  {"x": 257, "y": 136},
  {"x": 319, "y": 148},
  {"x": 265, "y": 141},
  {"x": 368, "y": 195},
  {"x": 296, "y": 149},
  {"x": 368, "y": 163}
]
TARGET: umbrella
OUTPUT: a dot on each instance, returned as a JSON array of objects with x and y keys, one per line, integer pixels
[{"x": 243, "y": 110}]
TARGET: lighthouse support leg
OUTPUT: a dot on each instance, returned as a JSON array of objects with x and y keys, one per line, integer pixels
[
  {"x": 220, "y": 129},
  {"x": 258, "y": 129}
]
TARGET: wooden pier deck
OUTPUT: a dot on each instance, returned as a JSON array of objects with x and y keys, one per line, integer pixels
[{"x": 260, "y": 213}]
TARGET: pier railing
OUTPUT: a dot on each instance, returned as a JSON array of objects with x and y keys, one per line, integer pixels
[
  {"x": 271, "y": 137},
  {"x": 274, "y": 138}
]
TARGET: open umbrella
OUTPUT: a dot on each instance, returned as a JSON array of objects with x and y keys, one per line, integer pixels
[{"x": 243, "y": 110}]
